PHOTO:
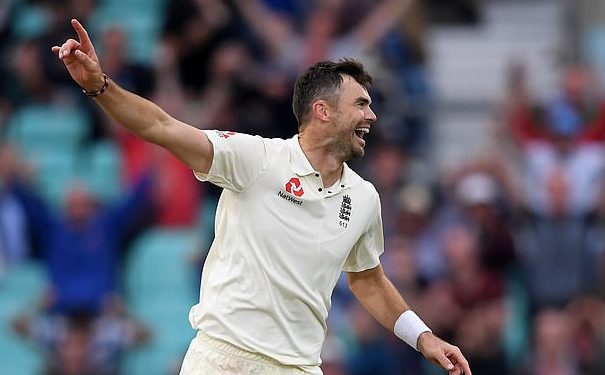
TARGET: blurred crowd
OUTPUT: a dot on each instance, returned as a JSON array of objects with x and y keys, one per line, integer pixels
[{"x": 502, "y": 256}]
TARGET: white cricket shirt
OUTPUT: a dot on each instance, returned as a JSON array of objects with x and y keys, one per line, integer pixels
[{"x": 281, "y": 242}]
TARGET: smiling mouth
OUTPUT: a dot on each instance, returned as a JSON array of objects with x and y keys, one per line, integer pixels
[{"x": 360, "y": 132}]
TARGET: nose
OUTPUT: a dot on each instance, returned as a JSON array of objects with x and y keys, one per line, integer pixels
[{"x": 370, "y": 115}]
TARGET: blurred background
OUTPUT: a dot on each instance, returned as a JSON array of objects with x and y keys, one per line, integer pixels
[{"x": 489, "y": 156}]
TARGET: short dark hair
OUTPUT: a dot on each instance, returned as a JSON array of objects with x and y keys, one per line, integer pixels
[{"x": 323, "y": 81}]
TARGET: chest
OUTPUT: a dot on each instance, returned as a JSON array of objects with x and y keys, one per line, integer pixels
[{"x": 299, "y": 211}]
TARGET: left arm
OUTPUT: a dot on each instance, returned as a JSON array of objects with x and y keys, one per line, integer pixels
[
  {"x": 134, "y": 207},
  {"x": 381, "y": 299},
  {"x": 377, "y": 295}
]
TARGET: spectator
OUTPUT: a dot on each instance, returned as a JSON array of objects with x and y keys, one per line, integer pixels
[
  {"x": 177, "y": 198},
  {"x": 193, "y": 30},
  {"x": 416, "y": 223},
  {"x": 237, "y": 81},
  {"x": 481, "y": 334},
  {"x": 587, "y": 321},
  {"x": 387, "y": 167},
  {"x": 577, "y": 96},
  {"x": 562, "y": 188},
  {"x": 321, "y": 39},
  {"x": 28, "y": 82},
  {"x": 15, "y": 245},
  {"x": 81, "y": 246},
  {"x": 401, "y": 268},
  {"x": 552, "y": 350},
  {"x": 579, "y": 93},
  {"x": 81, "y": 326},
  {"x": 80, "y": 343},
  {"x": 519, "y": 112},
  {"x": 375, "y": 353},
  {"x": 481, "y": 200},
  {"x": 478, "y": 294},
  {"x": 136, "y": 77}
]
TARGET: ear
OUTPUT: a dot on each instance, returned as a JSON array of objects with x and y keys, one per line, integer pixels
[{"x": 321, "y": 110}]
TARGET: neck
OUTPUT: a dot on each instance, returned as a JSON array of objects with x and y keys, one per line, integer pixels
[{"x": 322, "y": 157}]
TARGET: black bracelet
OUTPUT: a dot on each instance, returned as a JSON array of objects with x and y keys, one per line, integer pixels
[{"x": 94, "y": 94}]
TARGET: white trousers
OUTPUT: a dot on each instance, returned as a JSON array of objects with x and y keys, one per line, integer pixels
[{"x": 207, "y": 356}]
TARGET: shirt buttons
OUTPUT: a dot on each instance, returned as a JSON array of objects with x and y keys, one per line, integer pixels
[
  {"x": 342, "y": 186},
  {"x": 320, "y": 189},
  {"x": 316, "y": 174}
]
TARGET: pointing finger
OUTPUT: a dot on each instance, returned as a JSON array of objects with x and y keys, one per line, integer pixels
[{"x": 82, "y": 33}]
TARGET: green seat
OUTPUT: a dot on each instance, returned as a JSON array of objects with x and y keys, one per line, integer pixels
[
  {"x": 54, "y": 172},
  {"x": 102, "y": 170},
  {"x": 30, "y": 21},
  {"x": 160, "y": 288},
  {"x": 38, "y": 127},
  {"x": 19, "y": 292},
  {"x": 49, "y": 138},
  {"x": 141, "y": 20}
]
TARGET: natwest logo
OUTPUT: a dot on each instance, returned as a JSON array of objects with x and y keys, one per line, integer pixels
[{"x": 294, "y": 187}]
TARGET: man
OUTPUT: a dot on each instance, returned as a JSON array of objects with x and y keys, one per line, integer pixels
[{"x": 292, "y": 215}]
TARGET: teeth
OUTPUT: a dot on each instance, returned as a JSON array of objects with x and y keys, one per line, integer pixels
[{"x": 363, "y": 130}]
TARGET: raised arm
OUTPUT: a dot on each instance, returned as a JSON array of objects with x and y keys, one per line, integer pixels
[
  {"x": 135, "y": 113},
  {"x": 382, "y": 18},
  {"x": 382, "y": 300},
  {"x": 273, "y": 30}
]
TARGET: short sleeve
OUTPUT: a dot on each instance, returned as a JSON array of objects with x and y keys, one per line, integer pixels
[
  {"x": 238, "y": 159},
  {"x": 366, "y": 252}
]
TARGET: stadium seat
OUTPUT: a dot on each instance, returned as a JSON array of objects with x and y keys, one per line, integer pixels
[
  {"x": 37, "y": 127},
  {"x": 54, "y": 172},
  {"x": 30, "y": 21},
  {"x": 49, "y": 138},
  {"x": 102, "y": 170},
  {"x": 160, "y": 289},
  {"x": 19, "y": 291},
  {"x": 142, "y": 20}
]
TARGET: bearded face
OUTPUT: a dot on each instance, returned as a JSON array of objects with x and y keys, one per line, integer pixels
[{"x": 352, "y": 119}]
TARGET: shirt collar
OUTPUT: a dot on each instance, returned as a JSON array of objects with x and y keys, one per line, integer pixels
[
  {"x": 299, "y": 162},
  {"x": 349, "y": 177},
  {"x": 302, "y": 166}
]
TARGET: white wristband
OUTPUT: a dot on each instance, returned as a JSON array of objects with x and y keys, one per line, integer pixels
[{"x": 408, "y": 327}]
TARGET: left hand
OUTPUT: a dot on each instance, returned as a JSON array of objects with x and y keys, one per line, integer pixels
[{"x": 443, "y": 354}]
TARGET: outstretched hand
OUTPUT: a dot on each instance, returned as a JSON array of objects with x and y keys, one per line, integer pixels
[
  {"x": 443, "y": 354},
  {"x": 80, "y": 59}
]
